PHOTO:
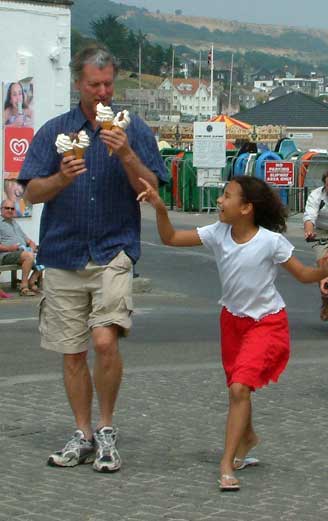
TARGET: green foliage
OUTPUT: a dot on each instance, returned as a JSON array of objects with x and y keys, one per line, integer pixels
[{"x": 124, "y": 44}]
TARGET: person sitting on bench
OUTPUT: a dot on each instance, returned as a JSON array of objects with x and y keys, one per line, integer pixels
[{"x": 17, "y": 248}]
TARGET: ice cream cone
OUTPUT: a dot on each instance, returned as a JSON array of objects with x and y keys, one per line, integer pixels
[
  {"x": 68, "y": 153},
  {"x": 79, "y": 152},
  {"x": 107, "y": 125}
]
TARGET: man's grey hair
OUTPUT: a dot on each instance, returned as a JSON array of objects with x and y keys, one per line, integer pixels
[{"x": 94, "y": 55}]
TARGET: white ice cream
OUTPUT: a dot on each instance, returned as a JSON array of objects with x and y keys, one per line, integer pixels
[
  {"x": 122, "y": 119},
  {"x": 83, "y": 140},
  {"x": 63, "y": 143},
  {"x": 104, "y": 113}
]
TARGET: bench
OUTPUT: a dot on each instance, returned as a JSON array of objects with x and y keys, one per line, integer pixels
[{"x": 13, "y": 268}]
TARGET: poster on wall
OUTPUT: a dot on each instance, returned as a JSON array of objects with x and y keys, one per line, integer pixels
[{"x": 18, "y": 129}]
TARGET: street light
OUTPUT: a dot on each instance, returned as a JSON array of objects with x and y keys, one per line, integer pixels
[{"x": 177, "y": 135}]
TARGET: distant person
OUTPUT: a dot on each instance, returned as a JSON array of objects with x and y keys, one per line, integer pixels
[
  {"x": 89, "y": 241},
  {"x": 16, "y": 111},
  {"x": 17, "y": 248},
  {"x": 315, "y": 227},
  {"x": 248, "y": 247}
]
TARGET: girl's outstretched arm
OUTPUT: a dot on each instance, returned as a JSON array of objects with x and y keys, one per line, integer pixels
[
  {"x": 306, "y": 274},
  {"x": 168, "y": 234}
]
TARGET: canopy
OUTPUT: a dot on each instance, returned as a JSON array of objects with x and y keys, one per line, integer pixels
[{"x": 231, "y": 122}]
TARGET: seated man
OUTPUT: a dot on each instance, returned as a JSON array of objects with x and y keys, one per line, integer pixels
[{"x": 17, "y": 248}]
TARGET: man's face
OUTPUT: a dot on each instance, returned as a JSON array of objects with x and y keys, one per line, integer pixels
[
  {"x": 96, "y": 86},
  {"x": 7, "y": 209}
]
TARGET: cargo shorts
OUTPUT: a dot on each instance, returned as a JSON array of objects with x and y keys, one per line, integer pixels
[
  {"x": 320, "y": 249},
  {"x": 76, "y": 301}
]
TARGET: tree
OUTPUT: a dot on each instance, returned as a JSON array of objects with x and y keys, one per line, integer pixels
[{"x": 113, "y": 34}]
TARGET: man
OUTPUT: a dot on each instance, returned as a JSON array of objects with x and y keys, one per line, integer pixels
[
  {"x": 315, "y": 227},
  {"x": 17, "y": 248},
  {"x": 89, "y": 240}
]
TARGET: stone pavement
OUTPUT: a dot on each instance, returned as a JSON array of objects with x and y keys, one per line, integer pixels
[{"x": 171, "y": 414}]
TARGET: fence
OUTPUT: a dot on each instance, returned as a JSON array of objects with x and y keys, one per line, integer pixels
[{"x": 182, "y": 192}]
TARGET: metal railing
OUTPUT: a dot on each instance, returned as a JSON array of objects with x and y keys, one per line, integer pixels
[{"x": 183, "y": 194}]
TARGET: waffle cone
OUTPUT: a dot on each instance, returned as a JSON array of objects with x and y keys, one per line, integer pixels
[
  {"x": 68, "y": 153},
  {"x": 110, "y": 151},
  {"x": 79, "y": 152},
  {"x": 106, "y": 125}
]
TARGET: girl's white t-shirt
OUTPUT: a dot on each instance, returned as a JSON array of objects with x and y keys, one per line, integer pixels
[{"x": 247, "y": 271}]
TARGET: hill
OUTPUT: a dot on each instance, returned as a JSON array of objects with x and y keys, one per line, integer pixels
[{"x": 299, "y": 44}]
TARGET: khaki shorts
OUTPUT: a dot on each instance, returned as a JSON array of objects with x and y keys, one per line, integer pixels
[
  {"x": 11, "y": 258},
  {"x": 75, "y": 301},
  {"x": 320, "y": 249}
]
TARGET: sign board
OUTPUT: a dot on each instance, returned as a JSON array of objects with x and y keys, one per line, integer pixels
[
  {"x": 211, "y": 177},
  {"x": 209, "y": 145},
  {"x": 300, "y": 135},
  {"x": 279, "y": 173}
]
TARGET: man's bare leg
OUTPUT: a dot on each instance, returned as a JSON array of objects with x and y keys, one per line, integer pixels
[
  {"x": 26, "y": 261},
  {"x": 78, "y": 387},
  {"x": 107, "y": 371}
]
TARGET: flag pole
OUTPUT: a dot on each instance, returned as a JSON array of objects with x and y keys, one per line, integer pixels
[
  {"x": 199, "y": 80},
  {"x": 212, "y": 71},
  {"x": 230, "y": 87},
  {"x": 172, "y": 80}
]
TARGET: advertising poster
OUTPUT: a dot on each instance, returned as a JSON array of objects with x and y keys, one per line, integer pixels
[{"x": 18, "y": 128}]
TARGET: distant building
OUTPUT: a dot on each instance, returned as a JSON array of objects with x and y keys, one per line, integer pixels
[
  {"x": 226, "y": 107},
  {"x": 148, "y": 103},
  {"x": 190, "y": 97},
  {"x": 304, "y": 118},
  {"x": 310, "y": 86}
]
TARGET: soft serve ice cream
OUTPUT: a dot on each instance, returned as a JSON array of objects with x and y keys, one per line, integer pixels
[
  {"x": 104, "y": 116},
  {"x": 64, "y": 145},
  {"x": 80, "y": 143},
  {"x": 122, "y": 120},
  {"x": 73, "y": 144}
]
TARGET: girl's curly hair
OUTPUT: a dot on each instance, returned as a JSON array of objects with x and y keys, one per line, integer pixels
[{"x": 269, "y": 211}]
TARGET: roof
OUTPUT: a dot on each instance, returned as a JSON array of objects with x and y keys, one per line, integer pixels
[
  {"x": 188, "y": 87},
  {"x": 292, "y": 110},
  {"x": 44, "y": 2}
]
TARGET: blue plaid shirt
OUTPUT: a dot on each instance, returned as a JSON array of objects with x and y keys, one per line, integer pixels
[{"x": 97, "y": 216}]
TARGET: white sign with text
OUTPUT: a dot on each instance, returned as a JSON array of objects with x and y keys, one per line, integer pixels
[{"x": 209, "y": 146}]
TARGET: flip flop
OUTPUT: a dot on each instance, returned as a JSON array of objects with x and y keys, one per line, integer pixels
[
  {"x": 246, "y": 462},
  {"x": 232, "y": 487}
]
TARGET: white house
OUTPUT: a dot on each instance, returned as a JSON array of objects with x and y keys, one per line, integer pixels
[
  {"x": 190, "y": 97},
  {"x": 35, "y": 45}
]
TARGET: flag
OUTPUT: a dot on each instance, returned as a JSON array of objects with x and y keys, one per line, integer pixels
[{"x": 209, "y": 58}]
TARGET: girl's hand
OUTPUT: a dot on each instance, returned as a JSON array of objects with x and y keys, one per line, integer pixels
[{"x": 150, "y": 195}]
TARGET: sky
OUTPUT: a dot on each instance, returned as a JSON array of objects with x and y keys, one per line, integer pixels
[{"x": 308, "y": 13}]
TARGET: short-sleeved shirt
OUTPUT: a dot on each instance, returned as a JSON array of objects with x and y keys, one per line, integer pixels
[
  {"x": 97, "y": 216},
  {"x": 10, "y": 233},
  {"x": 248, "y": 271}
]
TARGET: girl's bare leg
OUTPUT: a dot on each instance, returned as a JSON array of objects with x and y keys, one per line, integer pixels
[
  {"x": 249, "y": 439},
  {"x": 237, "y": 421}
]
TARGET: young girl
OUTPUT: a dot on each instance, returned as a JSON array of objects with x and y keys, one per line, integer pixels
[{"x": 254, "y": 327}]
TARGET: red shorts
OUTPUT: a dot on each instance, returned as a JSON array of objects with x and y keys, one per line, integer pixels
[{"x": 254, "y": 351}]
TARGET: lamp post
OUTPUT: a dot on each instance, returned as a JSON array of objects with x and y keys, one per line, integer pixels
[
  {"x": 177, "y": 136},
  {"x": 254, "y": 134}
]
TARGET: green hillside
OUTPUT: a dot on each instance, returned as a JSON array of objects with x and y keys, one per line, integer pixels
[{"x": 300, "y": 45}]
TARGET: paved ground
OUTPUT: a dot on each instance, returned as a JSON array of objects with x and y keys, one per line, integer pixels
[{"x": 171, "y": 409}]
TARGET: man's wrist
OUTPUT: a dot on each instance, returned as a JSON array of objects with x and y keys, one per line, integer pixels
[{"x": 63, "y": 179}]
